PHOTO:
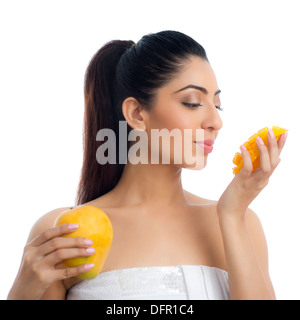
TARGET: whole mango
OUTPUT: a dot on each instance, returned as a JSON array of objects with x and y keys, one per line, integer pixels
[{"x": 93, "y": 224}]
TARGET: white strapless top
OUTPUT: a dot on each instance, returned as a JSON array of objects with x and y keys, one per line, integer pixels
[{"x": 182, "y": 282}]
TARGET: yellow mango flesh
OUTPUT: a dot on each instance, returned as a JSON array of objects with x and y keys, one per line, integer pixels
[
  {"x": 95, "y": 225},
  {"x": 251, "y": 146}
]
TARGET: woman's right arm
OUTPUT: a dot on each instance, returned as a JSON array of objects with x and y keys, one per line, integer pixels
[{"x": 41, "y": 272}]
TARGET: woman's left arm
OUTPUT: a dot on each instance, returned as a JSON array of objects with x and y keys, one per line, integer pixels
[
  {"x": 246, "y": 258},
  {"x": 244, "y": 241}
]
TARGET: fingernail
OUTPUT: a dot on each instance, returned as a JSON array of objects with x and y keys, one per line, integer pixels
[
  {"x": 285, "y": 136},
  {"x": 89, "y": 266},
  {"x": 260, "y": 141},
  {"x": 73, "y": 226},
  {"x": 88, "y": 242},
  {"x": 271, "y": 134},
  {"x": 90, "y": 250},
  {"x": 243, "y": 147}
]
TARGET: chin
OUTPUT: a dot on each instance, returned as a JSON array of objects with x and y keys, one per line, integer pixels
[{"x": 198, "y": 165}]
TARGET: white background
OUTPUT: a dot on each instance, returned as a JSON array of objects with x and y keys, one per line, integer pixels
[{"x": 46, "y": 46}]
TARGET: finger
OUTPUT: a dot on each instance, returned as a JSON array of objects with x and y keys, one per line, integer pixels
[
  {"x": 63, "y": 242},
  {"x": 281, "y": 142},
  {"x": 273, "y": 148},
  {"x": 53, "y": 232},
  {"x": 247, "y": 163},
  {"x": 263, "y": 156},
  {"x": 57, "y": 256},
  {"x": 62, "y": 274}
]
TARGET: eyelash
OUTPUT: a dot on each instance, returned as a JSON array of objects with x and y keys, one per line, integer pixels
[{"x": 195, "y": 105}]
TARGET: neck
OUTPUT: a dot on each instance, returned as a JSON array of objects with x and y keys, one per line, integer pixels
[{"x": 149, "y": 184}]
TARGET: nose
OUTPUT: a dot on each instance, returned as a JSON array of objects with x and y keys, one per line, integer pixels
[{"x": 211, "y": 118}]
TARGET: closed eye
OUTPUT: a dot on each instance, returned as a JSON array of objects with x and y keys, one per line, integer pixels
[
  {"x": 195, "y": 105},
  {"x": 192, "y": 105}
]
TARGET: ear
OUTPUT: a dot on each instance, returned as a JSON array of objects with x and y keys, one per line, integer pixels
[{"x": 134, "y": 114}]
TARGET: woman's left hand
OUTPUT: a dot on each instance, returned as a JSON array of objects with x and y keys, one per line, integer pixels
[{"x": 246, "y": 185}]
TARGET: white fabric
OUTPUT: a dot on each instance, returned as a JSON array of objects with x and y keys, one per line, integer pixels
[{"x": 182, "y": 282}]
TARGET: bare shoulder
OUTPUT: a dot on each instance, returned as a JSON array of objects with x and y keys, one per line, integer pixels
[
  {"x": 204, "y": 209},
  {"x": 196, "y": 200},
  {"x": 44, "y": 222},
  {"x": 252, "y": 218}
]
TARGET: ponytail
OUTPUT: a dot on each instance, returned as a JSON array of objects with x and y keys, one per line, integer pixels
[{"x": 96, "y": 179}]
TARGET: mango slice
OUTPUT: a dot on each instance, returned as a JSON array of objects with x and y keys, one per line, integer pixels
[
  {"x": 251, "y": 146},
  {"x": 95, "y": 225}
]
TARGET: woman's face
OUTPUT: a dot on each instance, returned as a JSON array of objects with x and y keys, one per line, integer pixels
[{"x": 189, "y": 101}]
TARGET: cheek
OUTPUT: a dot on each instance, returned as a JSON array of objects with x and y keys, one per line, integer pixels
[
  {"x": 181, "y": 120},
  {"x": 171, "y": 118}
]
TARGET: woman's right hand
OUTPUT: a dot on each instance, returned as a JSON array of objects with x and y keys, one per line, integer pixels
[{"x": 42, "y": 259}]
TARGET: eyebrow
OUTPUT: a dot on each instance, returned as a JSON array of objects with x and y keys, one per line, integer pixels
[{"x": 191, "y": 86}]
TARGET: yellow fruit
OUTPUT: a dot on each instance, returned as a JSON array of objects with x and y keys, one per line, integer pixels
[
  {"x": 95, "y": 225},
  {"x": 252, "y": 148}
]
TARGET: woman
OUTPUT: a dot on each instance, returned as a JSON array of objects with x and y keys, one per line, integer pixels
[{"x": 168, "y": 243}]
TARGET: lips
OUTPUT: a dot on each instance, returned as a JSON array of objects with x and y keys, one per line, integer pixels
[{"x": 206, "y": 144}]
